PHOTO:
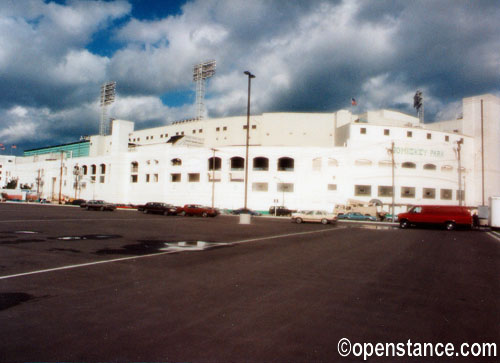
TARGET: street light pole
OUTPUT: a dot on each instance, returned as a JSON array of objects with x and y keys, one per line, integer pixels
[
  {"x": 213, "y": 177},
  {"x": 250, "y": 76}
]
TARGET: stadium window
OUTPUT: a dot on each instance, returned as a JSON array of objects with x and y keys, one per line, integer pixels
[
  {"x": 384, "y": 191},
  {"x": 408, "y": 165},
  {"x": 260, "y": 163},
  {"x": 407, "y": 192},
  {"x": 429, "y": 193},
  {"x": 332, "y": 187},
  {"x": 259, "y": 187},
  {"x": 217, "y": 129},
  {"x": 387, "y": 132},
  {"x": 155, "y": 176},
  {"x": 446, "y": 194},
  {"x": 429, "y": 136},
  {"x": 147, "y": 178},
  {"x": 363, "y": 190},
  {"x": 237, "y": 163},
  {"x": 244, "y": 127},
  {"x": 409, "y": 133},
  {"x": 285, "y": 164},
  {"x": 217, "y": 162},
  {"x": 133, "y": 178},
  {"x": 175, "y": 177},
  {"x": 193, "y": 177},
  {"x": 446, "y": 138},
  {"x": 254, "y": 127},
  {"x": 200, "y": 131},
  {"x": 224, "y": 128},
  {"x": 429, "y": 167},
  {"x": 362, "y": 130},
  {"x": 285, "y": 187}
]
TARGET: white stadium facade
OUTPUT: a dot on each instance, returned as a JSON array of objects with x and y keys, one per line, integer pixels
[{"x": 300, "y": 160}]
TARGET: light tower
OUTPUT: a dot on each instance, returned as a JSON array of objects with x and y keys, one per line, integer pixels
[
  {"x": 201, "y": 72},
  {"x": 107, "y": 98},
  {"x": 418, "y": 103}
]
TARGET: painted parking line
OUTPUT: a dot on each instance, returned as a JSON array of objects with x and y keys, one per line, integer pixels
[
  {"x": 71, "y": 220},
  {"x": 158, "y": 254},
  {"x": 495, "y": 235}
]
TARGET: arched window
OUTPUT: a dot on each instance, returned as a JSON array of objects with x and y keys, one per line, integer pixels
[
  {"x": 237, "y": 163},
  {"x": 85, "y": 169},
  {"x": 103, "y": 168},
  {"x": 408, "y": 165},
  {"x": 176, "y": 162},
  {"x": 385, "y": 163},
  {"x": 214, "y": 163},
  {"x": 261, "y": 163},
  {"x": 363, "y": 162},
  {"x": 93, "y": 169},
  {"x": 286, "y": 164},
  {"x": 134, "y": 166},
  {"x": 446, "y": 168},
  {"x": 429, "y": 167}
]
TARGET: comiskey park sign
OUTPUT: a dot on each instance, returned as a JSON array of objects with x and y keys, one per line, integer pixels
[{"x": 419, "y": 152}]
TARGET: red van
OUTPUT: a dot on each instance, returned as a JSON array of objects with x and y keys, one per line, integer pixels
[{"x": 448, "y": 216}]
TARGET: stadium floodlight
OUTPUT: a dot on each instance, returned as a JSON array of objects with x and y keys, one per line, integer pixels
[
  {"x": 418, "y": 104},
  {"x": 201, "y": 72},
  {"x": 107, "y": 98}
]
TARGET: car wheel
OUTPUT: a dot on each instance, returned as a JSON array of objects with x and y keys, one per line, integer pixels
[
  {"x": 165, "y": 213},
  {"x": 450, "y": 226},
  {"x": 88, "y": 208},
  {"x": 404, "y": 224},
  {"x": 204, "y": 214},
  {"x": 101, "y": 209},
  {"x": 183, "y": 213},
  {"x": 145, "y": 211},
  {"x": 324, "y": 221},
  {"x": 298, "y": 220}
]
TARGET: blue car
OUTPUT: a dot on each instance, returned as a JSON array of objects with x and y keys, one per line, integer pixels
[{"x": 356, "y": 216}]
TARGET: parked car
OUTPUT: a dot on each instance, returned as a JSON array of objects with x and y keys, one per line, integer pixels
[
  {"x": 319, "y": 216},
  {"x": 237, "y": 212},
  {"x": 99, "y": 205},
  {"x": 281, "y": 211},
  {"x": 388, "y": 218},
  {"x": 356, "y": 216},
  {"x": 76, "y": 202},
  {"x": 158, "y": 207},
  {"x": 448, "y": 216},
  {"x": 197, "y": 210}
]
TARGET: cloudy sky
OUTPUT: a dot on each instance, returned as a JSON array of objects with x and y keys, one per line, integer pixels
[{"x": 308, "y": 56}]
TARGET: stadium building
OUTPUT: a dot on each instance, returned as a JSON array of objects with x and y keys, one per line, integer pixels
[{"x": 300, "y": 160}]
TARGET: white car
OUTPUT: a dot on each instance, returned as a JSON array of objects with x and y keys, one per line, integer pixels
[{"x": 319, "y": 216}]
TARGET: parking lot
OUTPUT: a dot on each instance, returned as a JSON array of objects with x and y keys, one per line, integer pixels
[{"x": 79, "y": 285}]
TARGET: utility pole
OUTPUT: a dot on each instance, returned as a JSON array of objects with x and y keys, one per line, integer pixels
[
  {"x": 60, "y": 177},
  {"x": 482, "y": 153},
  {"x": 391, "y": 151},
  {"x": 459, "y": 148},
  {"x": 213, "y": 177},
  {"x": 250, "y": 76}
]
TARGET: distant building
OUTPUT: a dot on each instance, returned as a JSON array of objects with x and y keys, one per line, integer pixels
[{"x": 300, "y": 160}]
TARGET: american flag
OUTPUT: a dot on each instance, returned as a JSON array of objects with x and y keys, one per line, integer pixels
[
  {"x": 14, "y": 146},
  {"x": 353, "y": 102}
]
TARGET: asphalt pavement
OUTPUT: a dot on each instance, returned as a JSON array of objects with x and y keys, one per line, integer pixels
[{"x": 79, "y": 285}]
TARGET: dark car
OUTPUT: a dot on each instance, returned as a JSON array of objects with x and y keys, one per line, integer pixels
[
  {"x": 237, "y": 212},
  {"x": 158, "y": 207},
  {"x": 99, "y": 205},
  {"x": 197, "y": 210},
  {"x": 77, "y": 202},
  {"x": 281, "y": 211}
]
